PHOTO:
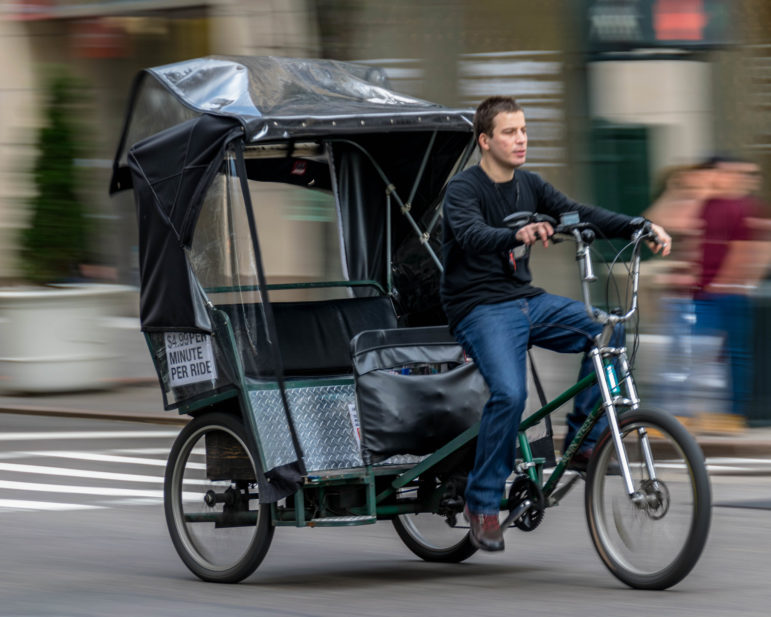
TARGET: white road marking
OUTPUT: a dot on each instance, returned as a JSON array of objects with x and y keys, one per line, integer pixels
[
  {"x": 78, "y": 490},
  {"x": 98, "y": 475},
  {"x": 164, "y": 451},
  {"x": 24, "y": 436},
  {"x": 88, "y": 490},
  {"x": 24, "y": 504},
  {"x": 106, "y": 458},
  {"x": 78, "y": 473}
]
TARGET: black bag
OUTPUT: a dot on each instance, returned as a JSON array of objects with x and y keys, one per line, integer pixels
[{"x": 415, "y": 391}]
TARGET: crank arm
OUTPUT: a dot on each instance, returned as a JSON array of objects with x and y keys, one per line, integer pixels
[{"x": 516, "y": 513}]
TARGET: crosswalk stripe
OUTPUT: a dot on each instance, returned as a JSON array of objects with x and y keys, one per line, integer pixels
[
  {"x": 26, "y": 436},
  {"x": 78, "y": 473},
  {"x": 24, "y": 504},
  {"x": 78, "y": 490},
  {"x": 105, "y": 458},
  {"x": 164, "y": 451},
  {"x": 98, "y": 475},
  {"x": 87, "y": 490}
]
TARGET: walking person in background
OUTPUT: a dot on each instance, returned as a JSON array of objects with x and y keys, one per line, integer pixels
[
  {"x": 492, "y": 307},
  {"x": 678, "y": 208},
  {"x": 732, "y": 259}
]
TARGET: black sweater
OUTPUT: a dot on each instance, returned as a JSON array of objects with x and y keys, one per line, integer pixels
[{"x": 476, "y": 243}]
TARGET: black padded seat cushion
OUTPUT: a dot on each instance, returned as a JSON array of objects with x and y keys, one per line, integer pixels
[{"x": 314, "y": 336}]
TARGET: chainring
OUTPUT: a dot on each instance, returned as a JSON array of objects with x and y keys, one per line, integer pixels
[{"x": 521, "y": 489}]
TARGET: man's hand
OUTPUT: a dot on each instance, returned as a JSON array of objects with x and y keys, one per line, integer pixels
[
  {"x": 663, "y": 243},
  {"x": 529, "y": 234}
]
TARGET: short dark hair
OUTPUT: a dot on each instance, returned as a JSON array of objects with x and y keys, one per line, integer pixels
[{"x": 484, "y": 116}]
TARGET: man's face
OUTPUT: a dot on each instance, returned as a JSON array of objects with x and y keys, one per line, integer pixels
[{"x": 508, "y": 144}]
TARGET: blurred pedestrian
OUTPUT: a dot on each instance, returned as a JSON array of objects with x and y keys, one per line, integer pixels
[
  {"x": 731, "y": 263},
  {"x": 678, "y": 209},
  {"x": 685, "y": 189}
]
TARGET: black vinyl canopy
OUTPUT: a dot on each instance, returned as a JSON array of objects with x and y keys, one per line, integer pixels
[{"x": 182, "y": 118}]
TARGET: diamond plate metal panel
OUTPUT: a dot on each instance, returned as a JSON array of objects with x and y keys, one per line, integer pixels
[
  {"x": 324, "y": 426},
  {"x": 322, "y": 417},
  {"x": 272, "y": 428}
]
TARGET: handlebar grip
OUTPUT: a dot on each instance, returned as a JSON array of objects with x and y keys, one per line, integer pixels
[
  {"x": 544, "y": 218},
  {"x": 518, "y": 219},
  {"x": 525, "y": 217}
]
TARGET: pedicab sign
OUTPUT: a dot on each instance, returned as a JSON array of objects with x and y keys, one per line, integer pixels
[{"x": 189, "y": 358}]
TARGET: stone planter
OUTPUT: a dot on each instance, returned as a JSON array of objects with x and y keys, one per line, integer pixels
[{"x": 57, "y": 339}]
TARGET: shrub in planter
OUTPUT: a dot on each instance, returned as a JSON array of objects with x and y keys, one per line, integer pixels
[
  {"x": 57, "y": 338},
  {"x": 57, "y": 238}
]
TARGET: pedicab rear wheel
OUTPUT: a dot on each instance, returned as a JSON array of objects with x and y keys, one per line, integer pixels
[{"x": 211, "y": 500}]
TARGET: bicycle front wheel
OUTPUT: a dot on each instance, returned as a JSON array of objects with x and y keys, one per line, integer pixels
[{"x": 651, "y": 541}]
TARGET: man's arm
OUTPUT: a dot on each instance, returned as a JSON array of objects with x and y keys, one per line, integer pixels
[
  {"x": 463, "y": 214},
  {"x": 611, "y": 224}
]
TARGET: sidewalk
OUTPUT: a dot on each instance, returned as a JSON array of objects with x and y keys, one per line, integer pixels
[
  {"x": 134, "y": 401},
  {"x": 136, "y": 396},
  {"x": 141, "y": 401}
]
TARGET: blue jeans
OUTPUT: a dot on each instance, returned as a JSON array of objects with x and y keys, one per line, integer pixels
[
  {"x": 497, "y": 337},
  {"x": 730, "y": 316}
]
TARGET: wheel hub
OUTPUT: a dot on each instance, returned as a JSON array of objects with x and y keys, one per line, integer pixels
[{"x": 656, "y": 498}]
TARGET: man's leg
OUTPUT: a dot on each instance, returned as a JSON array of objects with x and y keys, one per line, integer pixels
[
  {"x": 496, "y": 337},
  {"x": 563, "y": 325}
]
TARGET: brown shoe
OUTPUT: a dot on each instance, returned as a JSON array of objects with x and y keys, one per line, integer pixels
[{"x": 485, "y": 531}]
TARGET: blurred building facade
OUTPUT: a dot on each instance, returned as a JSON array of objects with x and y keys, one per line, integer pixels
[{"x": 614, "y": 90}]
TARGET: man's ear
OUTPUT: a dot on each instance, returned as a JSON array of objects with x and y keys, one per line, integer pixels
[{"x": 484, "y": 141}]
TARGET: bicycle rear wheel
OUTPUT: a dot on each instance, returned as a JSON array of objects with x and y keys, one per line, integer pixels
[
  {"x": 211, "y": 500},
  {"x": 432, "y": 539},
  {"x": 654, "y": 542}
]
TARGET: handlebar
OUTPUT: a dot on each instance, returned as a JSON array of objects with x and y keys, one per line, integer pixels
[{"x": 583, "y": 234}]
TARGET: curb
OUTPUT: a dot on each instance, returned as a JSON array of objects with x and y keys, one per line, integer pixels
[
  {"x": 710, "y": 446},
  {"x": 751, "y": 448},
  {"x": 172, "y": 419}
]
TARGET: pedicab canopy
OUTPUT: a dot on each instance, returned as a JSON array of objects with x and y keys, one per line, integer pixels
[{"x": 374, "y": 147}]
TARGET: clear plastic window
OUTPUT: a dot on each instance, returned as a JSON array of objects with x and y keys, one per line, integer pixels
[{"x": 299, "y": 243}]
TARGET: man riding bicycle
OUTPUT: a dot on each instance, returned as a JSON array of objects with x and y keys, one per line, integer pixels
[{"x": 494, "y": 311}]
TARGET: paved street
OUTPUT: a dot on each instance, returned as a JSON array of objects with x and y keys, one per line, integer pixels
[
  {"x": 84, "y": 534},
  {"x": 66, "y": 465}
]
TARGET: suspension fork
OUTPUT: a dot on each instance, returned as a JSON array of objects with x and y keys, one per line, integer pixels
[
  {"x": 610, "y": 412},
  {"x": 634, "y": 403}
]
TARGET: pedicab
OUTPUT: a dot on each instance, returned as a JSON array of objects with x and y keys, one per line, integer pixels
[{"x": 343, "y": 401}]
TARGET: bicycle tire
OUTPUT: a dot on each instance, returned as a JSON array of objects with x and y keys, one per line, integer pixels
[
  {"x": 205, "y": 546},
  {"x": 436, "y": 545},
  {"x": 654, "y": 560}
]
